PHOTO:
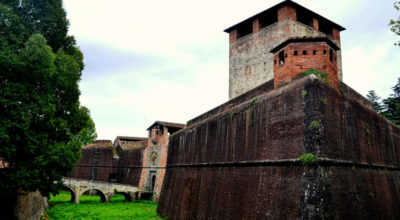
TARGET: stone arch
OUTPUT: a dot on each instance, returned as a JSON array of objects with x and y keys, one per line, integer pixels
[
  {"x": 127, "y": 196},
  {"x": 103, "y": 197},
  {"x": 72, "y": 192}
]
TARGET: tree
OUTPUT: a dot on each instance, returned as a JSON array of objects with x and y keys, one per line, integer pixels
[
  {"x": 375, "y": 100},
  {"x": 42, "y": 124},
  {"x": 395, "y": 23},
  {"x": 390, "y": 107}
]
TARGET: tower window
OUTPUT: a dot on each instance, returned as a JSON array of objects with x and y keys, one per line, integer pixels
[
  {"x": 324, "y": 52},
  {"x": 331, "y": 55},
  {"x": 244, "y": 30},
  {"x": 304, "y": 52},
  {"x": 281, "y": 57},
  {"x": 295, "y": 52},
  {"x": 314, "y": 52}
]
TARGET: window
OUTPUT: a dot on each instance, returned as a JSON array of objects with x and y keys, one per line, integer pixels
[
  {"x": 331, "y": 55},
  {"x": 304, "y": 52},
  {"x": 314, "y": 52},
  {"x": 324, "y": 52},
  {"x": 304, "y": 17},
  {"x": 281, "y": 57},
  {"x": 268, "y": 19},
  {"x": 295, "y": 52},
  {"x": 326, "y": 27},
  {"x": 244, "y": 30}
]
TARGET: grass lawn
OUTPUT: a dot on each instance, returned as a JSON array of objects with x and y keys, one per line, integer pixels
[{"x": 91, "y": 208}]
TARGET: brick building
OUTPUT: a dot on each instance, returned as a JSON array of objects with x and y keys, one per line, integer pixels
[
  {"x": 250, "y": 42},
  {"x": 155, "y": 156}
]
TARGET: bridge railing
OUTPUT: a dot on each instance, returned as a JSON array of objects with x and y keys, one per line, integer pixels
[{"x": 96, "y": 181}]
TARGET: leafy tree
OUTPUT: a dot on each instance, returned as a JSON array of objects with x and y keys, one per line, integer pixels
[
  {"x": 395, "y": 23},
  {"x": 42, "y": 124}
]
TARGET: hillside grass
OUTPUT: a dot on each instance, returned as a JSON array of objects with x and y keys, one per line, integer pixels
[{"x": 91, "y": 208}]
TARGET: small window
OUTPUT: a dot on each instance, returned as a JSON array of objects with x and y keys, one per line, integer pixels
[
  {"x": 314, "y": 52},
  {"x": 281, "y": 58},
  {"x": 331, "y": 55},
  {"x": 324, "y": 52},
  {"x": 296, "y": 52},
  {"x": 304, "y": 52}
]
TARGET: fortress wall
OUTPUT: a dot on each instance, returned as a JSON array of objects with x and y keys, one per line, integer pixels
[
  {"x": 105, "y": 159},
  {"x": 90, "y": 165},
  {"x": 83, "y": 172},
  {"x": 356, "y": 133},
  {"x": 273, "y": 131},
  {"x": 232, "y": 193},
  {"x": 133, "y": 159},
  {"x": 242, "y": 162}
]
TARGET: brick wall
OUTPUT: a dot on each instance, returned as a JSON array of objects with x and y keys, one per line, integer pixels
[
  {"x": 97, "y": 164},
  {"x": 244, "y": 165},
  {"x": 317, "y": 57},
  {"x": 129, "y": 168},
  {"x": 100, "y": 162}
]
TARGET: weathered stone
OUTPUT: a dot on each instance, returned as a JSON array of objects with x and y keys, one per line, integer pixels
[
  {"x": 241, "y": 162},
  {"x": 106, "y": 190}
]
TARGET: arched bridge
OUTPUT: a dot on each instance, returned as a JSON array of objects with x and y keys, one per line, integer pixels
[{"x": 106, "y": 190}]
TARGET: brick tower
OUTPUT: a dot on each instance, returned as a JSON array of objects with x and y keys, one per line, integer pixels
[
  {"x": 251, "y": 41},
  {"x": 295, "y": 56}
]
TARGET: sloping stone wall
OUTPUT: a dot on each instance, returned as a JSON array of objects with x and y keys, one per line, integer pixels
[
  {"x": 130, "y": 166},
  {"x": 96, "y": 164},
  {"x": 99, "y": 163},
  {"x": 242, "y": 163}
]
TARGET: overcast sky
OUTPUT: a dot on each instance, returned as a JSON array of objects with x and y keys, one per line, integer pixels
[{"x": 168, "y": 60}]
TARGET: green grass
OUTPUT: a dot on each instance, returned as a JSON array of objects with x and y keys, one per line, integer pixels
[
  {"x": 91, "y": 208},
  {"x": 308, "y": 159}
]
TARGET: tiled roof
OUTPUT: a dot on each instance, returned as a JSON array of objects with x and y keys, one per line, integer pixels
[{"x": 167, "y": 124}]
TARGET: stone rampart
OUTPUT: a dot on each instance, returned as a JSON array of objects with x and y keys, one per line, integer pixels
[
  {"x": 130, "y": 166},
  {"x": 243, "y": 162}
]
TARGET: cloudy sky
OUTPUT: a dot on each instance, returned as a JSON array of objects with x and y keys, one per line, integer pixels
[{"x": 168, "y": 60}]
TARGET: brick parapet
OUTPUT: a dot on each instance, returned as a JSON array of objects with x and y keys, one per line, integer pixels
[{"x": 299, "y": 57}]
